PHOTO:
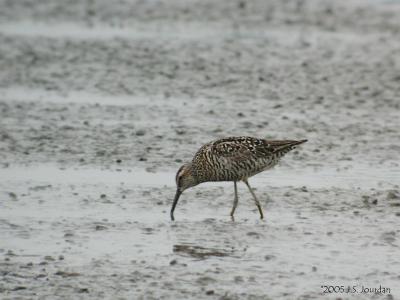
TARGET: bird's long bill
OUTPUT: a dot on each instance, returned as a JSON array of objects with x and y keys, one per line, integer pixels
[{"x": 177, "y": 195}]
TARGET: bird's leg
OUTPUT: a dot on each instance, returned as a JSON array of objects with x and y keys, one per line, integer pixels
[
  {"x": 255, "y": 199},
  {"x": 235, "y": 200}
]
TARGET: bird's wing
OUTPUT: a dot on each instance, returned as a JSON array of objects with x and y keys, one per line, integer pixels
[{"x": 242, "y": 148}]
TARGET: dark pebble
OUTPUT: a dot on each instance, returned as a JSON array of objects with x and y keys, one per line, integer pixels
[
  {"x": 12, "y": 195},
  {"x": 210, "y": 292},
  {"x": 66, "y": 274},
  {"x": 173, "y": 262},
  {"x": 118, "y": 161},
  {"x": 140, "y": 132},
  {"x": 102, "y": 196},
  {"x": 100, "y": 227}
]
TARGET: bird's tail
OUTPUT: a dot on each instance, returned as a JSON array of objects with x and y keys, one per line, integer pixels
[
  {"x": 298, "y": 142},
  {"x": 286, "y": 146}
]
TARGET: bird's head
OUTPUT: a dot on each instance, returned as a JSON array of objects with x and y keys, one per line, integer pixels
[{"x": 184, "y": 180}]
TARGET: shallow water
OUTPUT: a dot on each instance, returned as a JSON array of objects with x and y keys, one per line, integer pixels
[
  {"x": 363, "y": 177},
  {"x": 179, "y": 75}
]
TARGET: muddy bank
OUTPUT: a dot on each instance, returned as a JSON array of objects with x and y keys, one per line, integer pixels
[
  {"x": 100, "y": 104},
  {"x": 91, "y": 241}
]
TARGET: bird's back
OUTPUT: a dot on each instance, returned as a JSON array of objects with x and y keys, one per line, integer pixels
[{"x": 237, "y": 158}]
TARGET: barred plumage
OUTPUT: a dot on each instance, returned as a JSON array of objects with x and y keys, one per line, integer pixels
[{"x": 231, "y": 159}]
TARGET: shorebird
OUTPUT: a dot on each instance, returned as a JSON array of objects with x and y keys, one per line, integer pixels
[{"x": 231, "y": 159}]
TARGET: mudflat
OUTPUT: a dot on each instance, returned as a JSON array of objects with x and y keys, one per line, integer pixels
[{"x": 101, "y": 102}]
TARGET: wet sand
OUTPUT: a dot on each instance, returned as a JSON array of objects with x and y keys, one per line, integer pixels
[{"x": 101, "y": 103}]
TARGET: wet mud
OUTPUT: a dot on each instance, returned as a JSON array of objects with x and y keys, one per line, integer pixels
[{"x": 101, "y": 102}]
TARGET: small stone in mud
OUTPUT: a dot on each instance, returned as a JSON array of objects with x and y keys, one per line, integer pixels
[
  {"x": 17, "y": 288},
  {"x": 238, "y": 279},
  {"x": 173, "y": 262},
  {"x": 100, "y": 227},
  {"x": 393, "y": 194},
  {"x": 240, "y": 114},
  {"x": 314, "y": 268},
  {"x": 12, "y": 195},
  {"x": 180, "y": 132},
  {"x": 247, "y": 124},
  {"x": 67, "y": 274},
  {"x": 118, "y": 161},
  {"x": 269, "y": 257},
  {"x": 304, "y": 189},
  {"x": 100, "y": 153},
  {"x": 140, "y": 132},
  {"x": 83, "y": 290},
  {"x": 102, "y": 196},
  {"x": 159, "y": 203},
  {"x": 49, "y": 258},
  {"x": 375, "y": 201},
  {"x": 397, "y": 214},
  {"x": 142, "y": 159},
  {"x": 210, "y": 292},
  {"x": 254, "y": 234},
  {"x": 61, "y": 257}
]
